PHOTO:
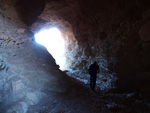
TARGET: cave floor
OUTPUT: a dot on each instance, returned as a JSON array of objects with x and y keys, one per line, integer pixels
[{"x": 79, "y": 98}]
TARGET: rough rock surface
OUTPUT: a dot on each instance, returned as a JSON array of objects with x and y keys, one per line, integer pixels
[
  {"x": 25, "y": 74},
  {"x": 115, "y": 33}
]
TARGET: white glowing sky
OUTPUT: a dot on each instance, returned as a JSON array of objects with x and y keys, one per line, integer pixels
[{"x": 54, "y": 42}]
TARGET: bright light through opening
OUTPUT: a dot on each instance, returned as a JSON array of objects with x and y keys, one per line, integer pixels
[{"x": 53, "y": 41}]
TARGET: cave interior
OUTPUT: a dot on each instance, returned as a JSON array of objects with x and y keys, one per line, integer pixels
[{"x": 52, "y": 76}]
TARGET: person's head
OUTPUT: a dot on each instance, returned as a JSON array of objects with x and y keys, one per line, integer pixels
[{"x": 95, "y": 62}]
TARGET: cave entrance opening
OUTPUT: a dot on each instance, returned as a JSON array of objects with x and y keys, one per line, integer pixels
[{"x": 54, "y": 42}]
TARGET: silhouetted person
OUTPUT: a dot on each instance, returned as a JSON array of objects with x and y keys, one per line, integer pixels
[{"x": 93, "y": 70}]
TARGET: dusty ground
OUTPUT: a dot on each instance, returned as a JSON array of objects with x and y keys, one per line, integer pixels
[{"x": 79, "y": 98}]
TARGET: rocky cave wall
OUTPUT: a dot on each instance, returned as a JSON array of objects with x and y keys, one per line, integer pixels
[
  {"x": 115, "y": 33},
  {"x": 21, "y": 62}
]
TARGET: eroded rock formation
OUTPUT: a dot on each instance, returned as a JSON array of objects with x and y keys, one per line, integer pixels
[{"x": 114, "y": 33}]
